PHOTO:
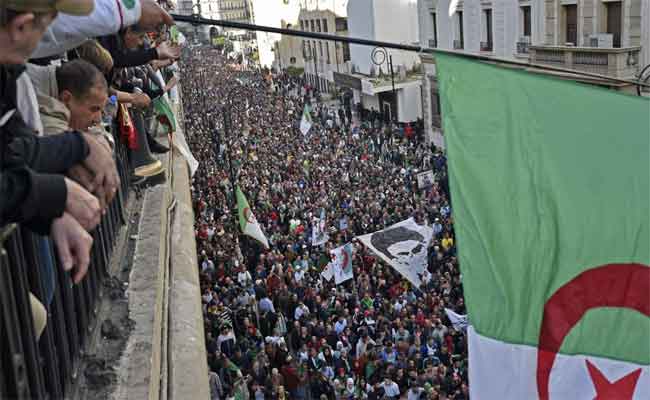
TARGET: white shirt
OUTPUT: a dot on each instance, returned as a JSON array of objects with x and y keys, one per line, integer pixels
[
  {"x": 244, "y": 277},
  {"x": 391, "y": 389}
]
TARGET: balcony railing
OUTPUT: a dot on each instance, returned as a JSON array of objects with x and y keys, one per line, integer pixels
[
  {"x": 614, "y": 62},
  {"x": 458, "y": 44},
  {"x": 433, "y": 43},
  {"x": 486, "y": 46},
  {"x": 48, "y": 368},
  {"x": 522, "y": 47}
]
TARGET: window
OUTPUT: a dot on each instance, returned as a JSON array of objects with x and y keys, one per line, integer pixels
[
  {"x": 346, "y": 52},
  {"x": 434, "y": 19},
  {"x": 320, "y": 47},
  {"x": 327, "y": 52},
  {"x": 525, "y": 13},
  {"x": 486, "y": 44},
  {"x": 571, "y": 23},
  {"x": 341, "y": 24},
  {"x": 459, "y": 41},
  {"x": 292, "y": 60},
  {"x": 311, "y": 23},
  {"x": 302, "y": 25},
  {"x": 313, "y": 52},
  {"x": 324, "y": 25},
  {"x": 318, "y": 25},
  {"x": 614, "y": 20}
]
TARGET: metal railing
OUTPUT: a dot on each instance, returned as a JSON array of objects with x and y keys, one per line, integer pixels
[
  {"x": 49, "y": 367},
  {"x": 486, "y": 46},
  {"x": 522, "y": 47}
]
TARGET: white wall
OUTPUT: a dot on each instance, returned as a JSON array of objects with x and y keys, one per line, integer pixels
[
  {"x": 383, "y": 20},
  {"x": 370, "y": 102},
  {"x": 645, "y": 32},
  {"x": 409, "y": 100},
  {"x": 271, "y": 13},
  {"x": 506, "y": 24}
]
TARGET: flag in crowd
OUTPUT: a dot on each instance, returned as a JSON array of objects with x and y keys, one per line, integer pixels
[
  {"x": 342, "y": 263},
  {"x": 403, "y": 246},
  {"x": 551, "y": 202},
  {"x": 458, "y": 321},
  {"x": 247, "y": 221},
  {"x": 306, "y": 122},
  {"x": 319, "y": 234}
]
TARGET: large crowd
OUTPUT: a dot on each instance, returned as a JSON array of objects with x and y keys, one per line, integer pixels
[{"x": 275, "y": 329}]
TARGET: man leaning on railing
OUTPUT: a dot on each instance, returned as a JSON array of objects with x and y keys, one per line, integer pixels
[{"x": 35, "y": 191}]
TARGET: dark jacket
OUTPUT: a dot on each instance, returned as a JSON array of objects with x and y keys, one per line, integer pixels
[{"x": 32, "y": 191}]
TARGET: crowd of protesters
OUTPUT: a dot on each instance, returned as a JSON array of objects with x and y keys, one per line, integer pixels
[
  {"x": 60, "y": 62},
  {"x": 275, "y": 329}
]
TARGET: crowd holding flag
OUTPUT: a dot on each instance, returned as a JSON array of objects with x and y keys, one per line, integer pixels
[
  {"x": 305, "y": 121},
  {"x": 342, "y": 263},
  {"x": 248, "y": 222},
  {"x": 403, "y": 246}
]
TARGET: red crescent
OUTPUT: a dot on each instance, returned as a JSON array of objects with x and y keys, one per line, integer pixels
[{"x": 610, "y": 285}]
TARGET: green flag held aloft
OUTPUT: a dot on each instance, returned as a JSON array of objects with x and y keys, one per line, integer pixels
[
  {"x": 550, "y": 190},
  {"x": 247, "y": 221}
]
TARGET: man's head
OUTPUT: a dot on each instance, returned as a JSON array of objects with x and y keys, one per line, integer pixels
[
  {"x": 23, "y": 23},
  {"x": 83, "y": 89}
]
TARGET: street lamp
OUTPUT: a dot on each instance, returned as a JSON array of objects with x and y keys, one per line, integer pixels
[{"x": 379, "y": 56}]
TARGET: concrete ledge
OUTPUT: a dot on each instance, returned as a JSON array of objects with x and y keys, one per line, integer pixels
[
  {"x": 188, "y": 368},
  {"x": 140, "y": 368}
]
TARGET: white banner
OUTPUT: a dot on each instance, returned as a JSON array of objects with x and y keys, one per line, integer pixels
[
  {"x": 403, "y": 246},
  {"x": 342, "y": 263}
]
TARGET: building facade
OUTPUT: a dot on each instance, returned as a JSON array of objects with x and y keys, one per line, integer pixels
[
  {"x": 323, "y": 59},
  {"x": 385, "y": 80},
  {"x": 277, "y": 14},
  {"x": 605, "y": 37}
]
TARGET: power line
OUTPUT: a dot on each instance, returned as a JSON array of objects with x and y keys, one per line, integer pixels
[{"x": 197, "y": 20}]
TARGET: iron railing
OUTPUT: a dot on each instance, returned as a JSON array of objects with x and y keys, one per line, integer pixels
[
  {"x": 49, "y": 367},
  {"x": 486, "y": 46},
  {"x": 522, "y": 47}
]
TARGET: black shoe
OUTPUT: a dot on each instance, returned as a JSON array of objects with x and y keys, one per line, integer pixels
[{"x": 156, "y": 147}]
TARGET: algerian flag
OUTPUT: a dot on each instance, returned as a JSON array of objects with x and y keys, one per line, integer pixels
[
  {"x": 305, "y": 122},
  {"x": 342, "y": 263},
  {"x": 550, "y": 186},
  {"x": 328, "y": 272},
  {"x": 247, "y": 221},
  {"x": 403, "y": 246}
]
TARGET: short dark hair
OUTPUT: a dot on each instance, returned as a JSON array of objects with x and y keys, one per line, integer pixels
[
  {"x": 7, "y": 15},
  {"x": 78, "y": 77}
]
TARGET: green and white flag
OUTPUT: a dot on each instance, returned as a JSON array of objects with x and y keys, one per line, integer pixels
[
  {"x": 305, "y": 121},
  {"x": 247, "y": 221},
  {"x": 550, "y": 187}
]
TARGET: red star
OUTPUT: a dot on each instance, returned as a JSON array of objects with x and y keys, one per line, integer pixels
[{"x": 622, "y": 389}]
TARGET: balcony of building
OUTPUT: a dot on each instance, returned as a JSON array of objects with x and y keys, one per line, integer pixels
[{"x": 613, "y": 62}]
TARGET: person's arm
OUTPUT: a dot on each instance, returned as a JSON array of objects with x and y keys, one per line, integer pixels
[
  {"x": 31, "y": 198},
  {"x": 108, "y": 17},
  {"x": 44, "y": 154}
]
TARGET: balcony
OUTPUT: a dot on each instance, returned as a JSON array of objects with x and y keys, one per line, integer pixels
[
  {"x": 433, "y": 43},
  {"x": 486, "y": 46},
  {"x": 458, "y": 44},
  {"x": 613, "y": 62},
  {"x": 523, "y": 47}
]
